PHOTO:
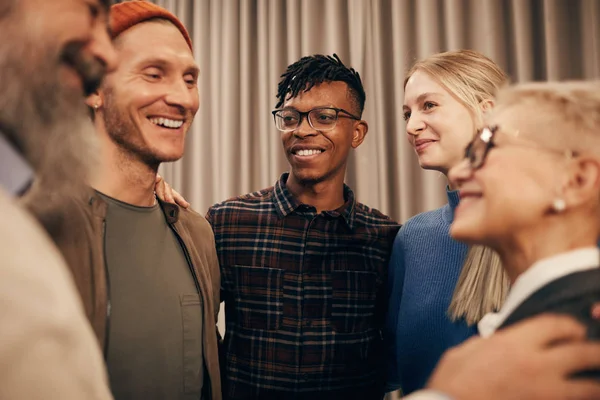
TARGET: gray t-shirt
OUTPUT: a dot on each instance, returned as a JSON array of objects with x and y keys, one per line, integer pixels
[{"x": 155, "y": 327}]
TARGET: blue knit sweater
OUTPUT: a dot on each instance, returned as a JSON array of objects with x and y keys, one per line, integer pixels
[{"x": 424, "y": 269}]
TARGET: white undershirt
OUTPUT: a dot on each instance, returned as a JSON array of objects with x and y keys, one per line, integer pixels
[{"x": 538, "y": 275}]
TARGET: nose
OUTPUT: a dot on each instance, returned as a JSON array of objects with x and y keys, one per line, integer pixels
[
  {"x": 415, "y": 124},
  {"x": 460, "y": 173},
  {"x": 182, "y": 95},
  {"x": 304, "y": 129},
  {"x": 102, "y": 47}
]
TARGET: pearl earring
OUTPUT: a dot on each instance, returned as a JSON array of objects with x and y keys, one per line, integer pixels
[
  {"x": 96, "y": 106},
  {"x": 559, "y": 205}
]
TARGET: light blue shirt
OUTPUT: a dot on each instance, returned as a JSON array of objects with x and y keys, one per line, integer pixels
[{"x": 15, "y": 173}]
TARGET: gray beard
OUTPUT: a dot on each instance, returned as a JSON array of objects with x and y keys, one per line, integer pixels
[{"x": 48, "y": 124}]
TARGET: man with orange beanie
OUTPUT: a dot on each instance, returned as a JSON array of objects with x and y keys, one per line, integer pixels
[{"x": 147, "y": 271}]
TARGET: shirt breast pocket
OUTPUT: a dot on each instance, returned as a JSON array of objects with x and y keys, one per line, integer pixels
[
  {"x": 353, "y": 303},
  {"x": 259, "y": 292}
]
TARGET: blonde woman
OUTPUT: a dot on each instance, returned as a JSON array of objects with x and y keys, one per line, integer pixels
[{"x": 445, "y": 98}]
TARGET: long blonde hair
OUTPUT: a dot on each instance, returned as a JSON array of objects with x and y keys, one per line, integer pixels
[{"x": 473, "y": 79}]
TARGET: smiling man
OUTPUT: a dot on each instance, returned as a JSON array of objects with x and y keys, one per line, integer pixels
[
  {"x": 303, "y": 263},
  {"x": 158, "y": 321}
]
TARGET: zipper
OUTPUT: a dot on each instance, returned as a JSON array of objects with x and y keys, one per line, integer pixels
[
  {"x": 188, "y": 259},
  {"x": 108, "y": 306},
  {"x": 206, "y": 387}
]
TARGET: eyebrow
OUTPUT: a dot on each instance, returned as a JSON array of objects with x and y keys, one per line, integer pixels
[
  {"x": 314, "y": 108},
  {"x": 423, "y": 96},
  {"x": 161, "y": 62}
]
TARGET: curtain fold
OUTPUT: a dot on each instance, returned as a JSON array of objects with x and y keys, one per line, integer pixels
[{"x": 243, "y": 46}]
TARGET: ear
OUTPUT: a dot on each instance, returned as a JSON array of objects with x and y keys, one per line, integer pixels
[
  {"x": 94, "y": 100},
  {"x": 486, "y": 105},
  {"x": 360, "y": 131},
  {"x": 583, "y": 185}
]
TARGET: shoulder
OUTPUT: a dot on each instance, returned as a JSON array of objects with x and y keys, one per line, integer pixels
[
  {"x": 193, "y": 221},
  {"x": 248, "y": 202},
  {"x": 20, "y": 269},
  {"x": 373, "y": 217},
  {"x": 423, "y": 228},
  {"x": 425, "y": 220},
  {"x": 245, "y": 199},
  {"x": 17, "y": 220}
]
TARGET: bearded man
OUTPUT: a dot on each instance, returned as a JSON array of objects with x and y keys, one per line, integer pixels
[{"x": 52, "y": 53}]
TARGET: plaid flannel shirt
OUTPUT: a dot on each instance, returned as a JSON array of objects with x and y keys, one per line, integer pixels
[{"x": 304, "y": 295}]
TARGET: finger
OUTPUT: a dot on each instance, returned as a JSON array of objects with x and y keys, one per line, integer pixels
[
  {"x": 169, "y": 193},
  {"x": 159, "y": 187},
  {"x": 180, "y": 200},
  {"x": 575, "y": 357},
  {"x": 546, "y": 330},
  {"x": 596, "y": 311}
]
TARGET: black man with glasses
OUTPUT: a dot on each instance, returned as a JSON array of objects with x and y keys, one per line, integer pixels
[{"x": 304, "y": 264}]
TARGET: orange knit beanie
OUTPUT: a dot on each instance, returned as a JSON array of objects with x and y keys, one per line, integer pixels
[{"x": 127, "y": 14}]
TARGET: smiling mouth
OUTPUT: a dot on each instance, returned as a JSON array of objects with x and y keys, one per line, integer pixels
[
  {"x": 423, "y": 145},
  {"x": 466, "y": 201},
  {"x": 467, "y": 197},
  {"x": 166, "y": 123},
  {"x": 307, "y": 152}
]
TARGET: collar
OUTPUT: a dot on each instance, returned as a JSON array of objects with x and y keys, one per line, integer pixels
[
  {"x": 99, "y": 206},
  {"x": 285, "y": 202},
  {"x": 15, "y": 173},
  {"x": 170, "y": 210},
  {"x": 453, "y": 200},
  {"x": 537, "y": 276}
]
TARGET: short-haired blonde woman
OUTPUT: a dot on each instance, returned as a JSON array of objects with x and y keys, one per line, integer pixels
[
  {"x": 530, "y": 189},
  {"x": 446, "y": 96}
]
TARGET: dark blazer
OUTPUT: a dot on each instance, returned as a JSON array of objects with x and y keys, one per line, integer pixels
[{"x": 573, "y": 294}]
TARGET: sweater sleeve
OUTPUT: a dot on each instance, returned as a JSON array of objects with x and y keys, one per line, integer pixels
[{"x": 395, "y": 286}]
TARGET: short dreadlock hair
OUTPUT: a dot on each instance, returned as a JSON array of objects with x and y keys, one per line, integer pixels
[{"x": 313, "y": 70}]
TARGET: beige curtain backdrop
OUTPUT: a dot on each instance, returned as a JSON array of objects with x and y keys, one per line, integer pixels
[{"x": 243, "y": 46}]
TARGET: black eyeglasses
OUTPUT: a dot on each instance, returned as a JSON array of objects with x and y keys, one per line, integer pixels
[
  {"x": 320, "y": 119},
  {"x": 477, "y": 151}
]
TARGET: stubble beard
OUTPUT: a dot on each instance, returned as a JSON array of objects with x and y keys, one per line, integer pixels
[{"x": 127, "y": 136}]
